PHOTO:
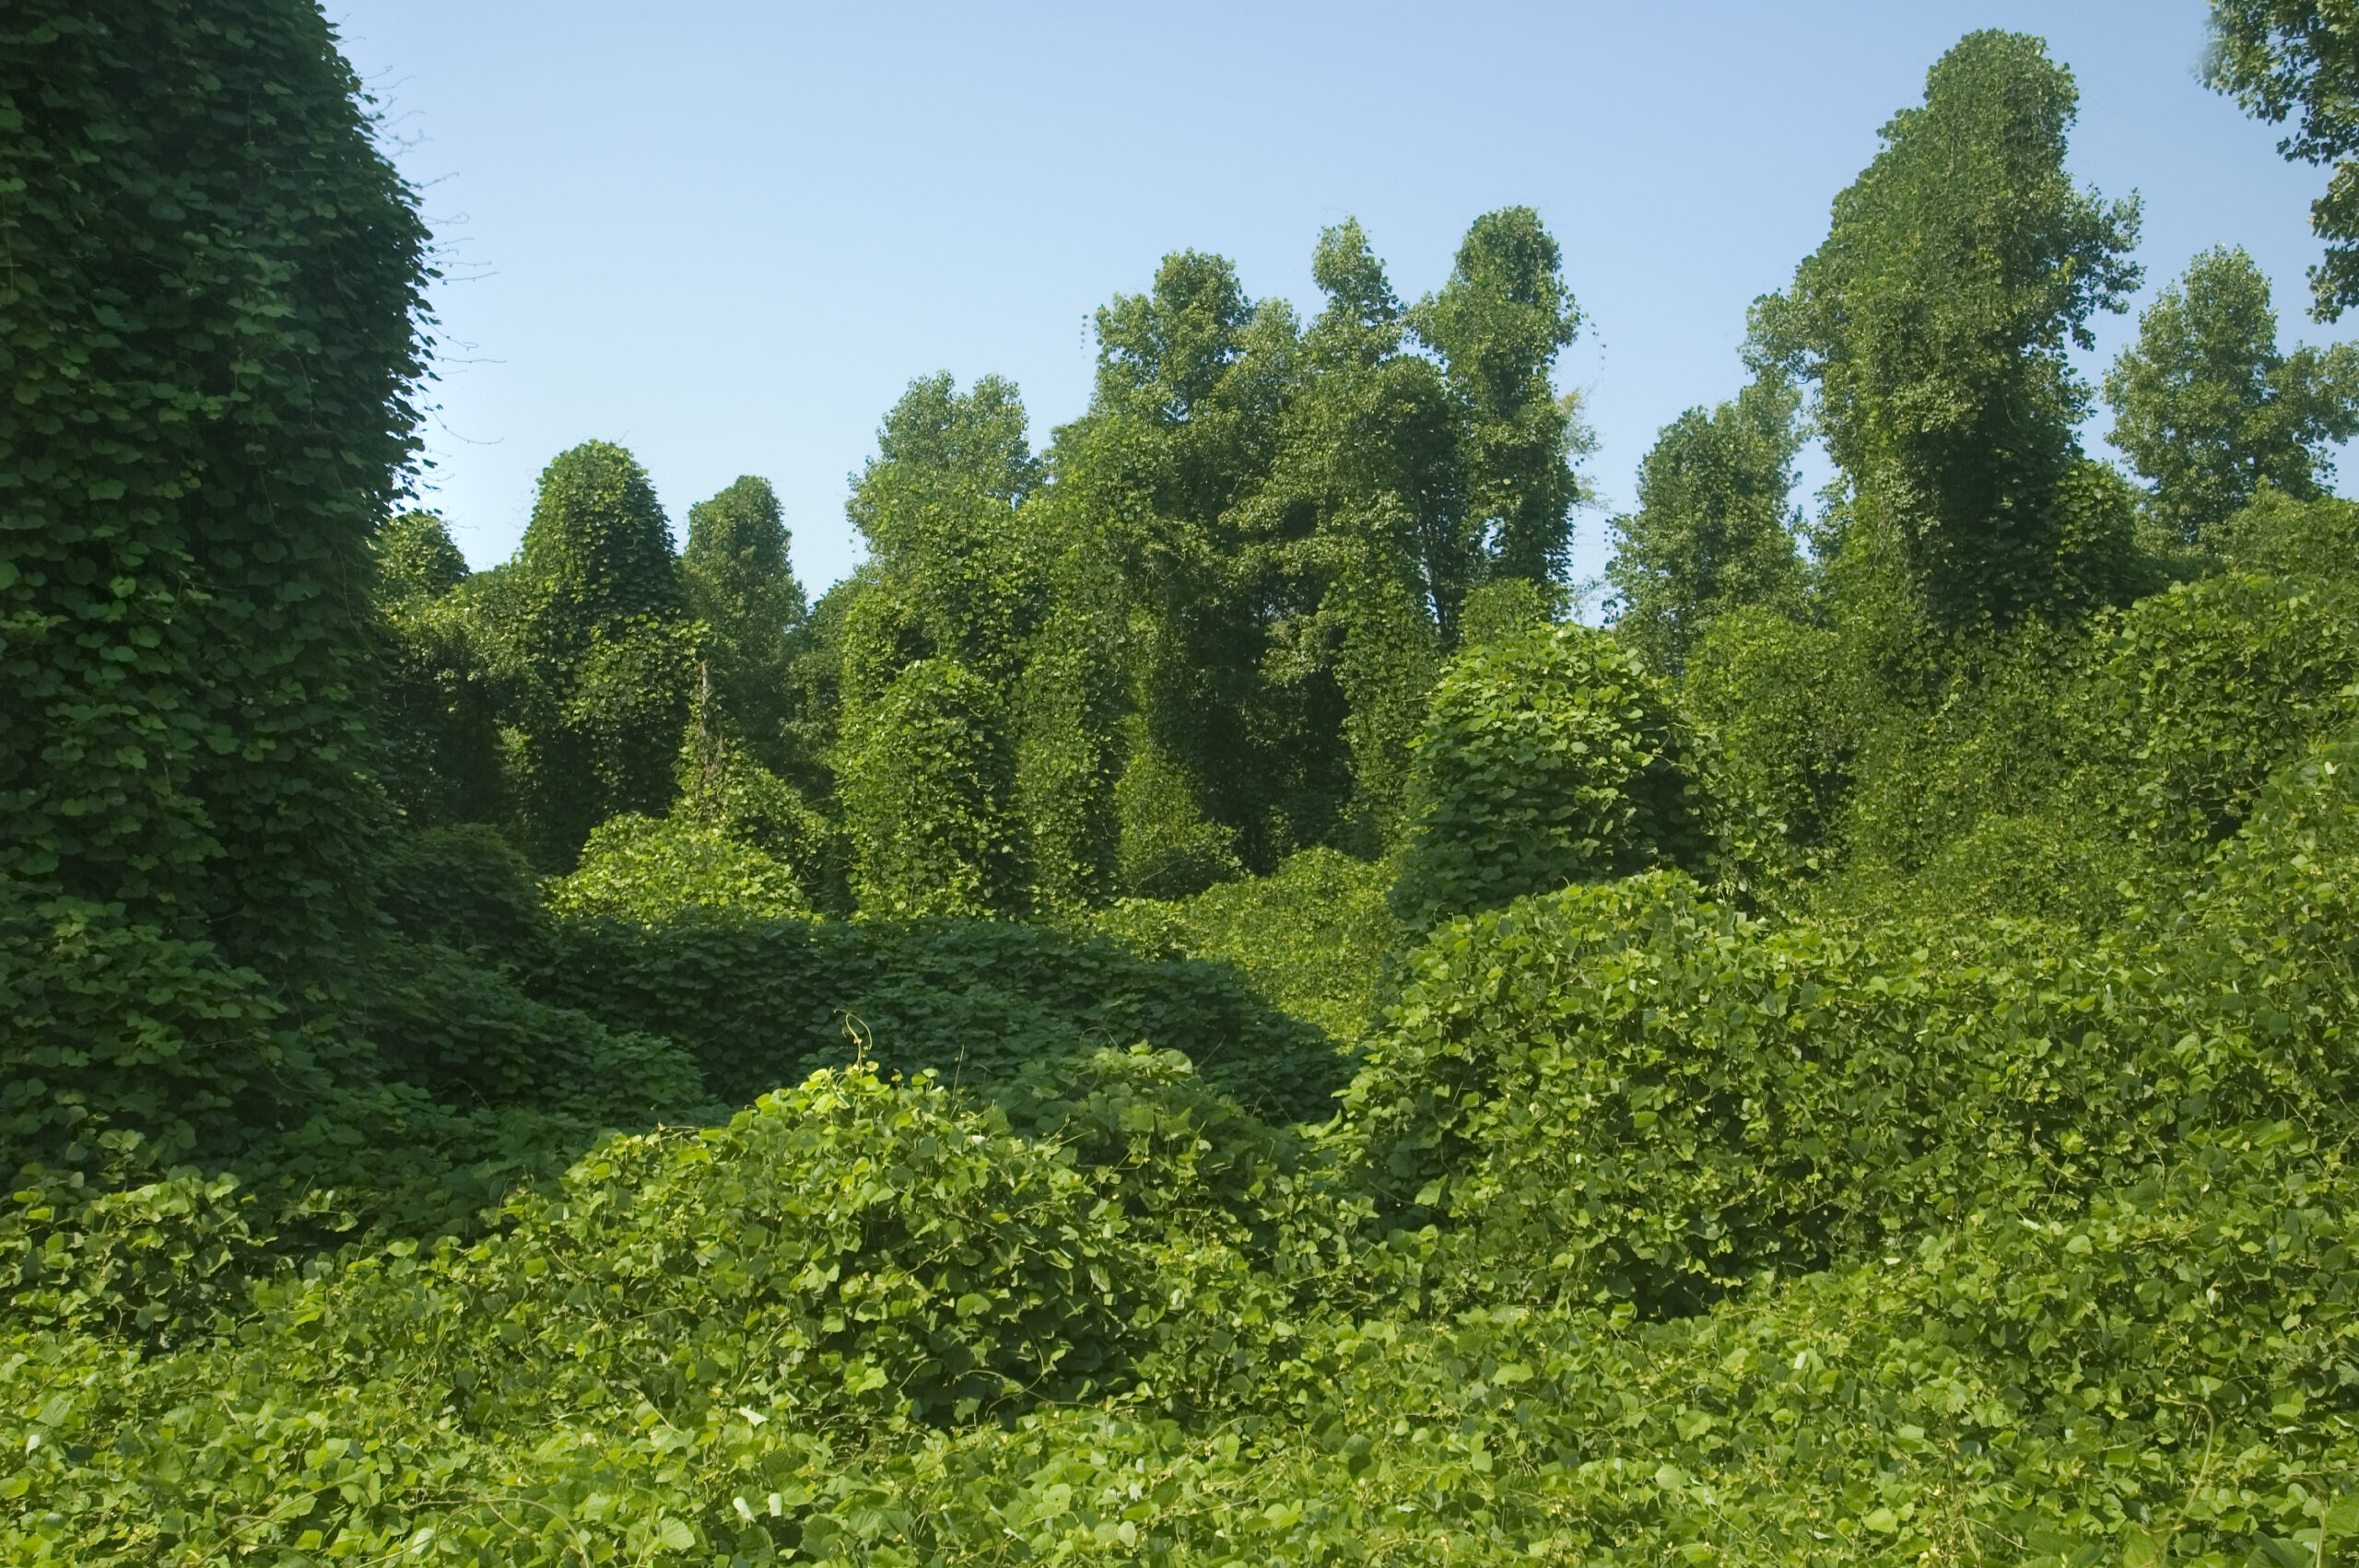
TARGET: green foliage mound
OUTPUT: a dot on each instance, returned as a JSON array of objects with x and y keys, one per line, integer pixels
[
  {"x": 1712, "y": 532},
  {"x": 1546, "y": 757},
  {"x": 637, "y": 868},
  {"x": 1314, "y": 937},
  {"x": 2207, "y": 687},
  {"x": 1623, "y": 1092},
  {"x": 468, "y": 1037},
  {"x": 842, "y": 1255}
]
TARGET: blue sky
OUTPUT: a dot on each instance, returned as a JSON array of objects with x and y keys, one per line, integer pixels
[{"x": 727, "y": 234}]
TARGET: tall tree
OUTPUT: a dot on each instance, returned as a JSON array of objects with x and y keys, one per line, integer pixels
[
  {"x": 948, "y": 575},
  {"x": 2299, "y": 59},
  {"x": 741, "y": 583},
  {"x": 932, "y": 642},
  {"x": 1186, "y": 419},
  {"x": 590, "y": 621},
  {"x": 1936, "y": 319},
  {"x": 2208, "y": 408},
  {"x": 1498, "y": 324},
  {"x": 1366, "y": 522},
  {"x": 1377, "y": 421},
  {"x": 212, "y": 330},
  {"x": 1714, "y": 530}
]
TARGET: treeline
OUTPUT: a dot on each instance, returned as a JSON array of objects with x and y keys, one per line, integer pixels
[
  {"x": 1188, "y": 638},
  {"x": 1197, "y": 634}
]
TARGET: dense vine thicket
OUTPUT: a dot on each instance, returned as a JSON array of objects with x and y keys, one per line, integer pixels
[
  {"x": 211, "y": 331},
  {"x": 1183, "y": 1015}
]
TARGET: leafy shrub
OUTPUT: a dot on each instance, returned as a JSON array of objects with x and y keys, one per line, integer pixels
[
  {"x": 764, "y": 1004},
  {"x": 468, "y": 1037},
  {"x": 637, "y": 868},
  {"x": 2207, "y": 688},
  {"x": 588, "y": 626},
  {"x": 464, "y": 887},
  {"x": 896, "y": 1254},
  {"x": 1313, "y": 937},
  {"x": 740, "y": 584},
  {"x": 1545, "y": 757}
]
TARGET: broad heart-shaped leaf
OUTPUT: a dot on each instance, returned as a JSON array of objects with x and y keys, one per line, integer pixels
[{"x": 2342, "y": 1519}]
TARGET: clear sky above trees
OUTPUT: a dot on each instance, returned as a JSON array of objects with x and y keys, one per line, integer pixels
[{"x": 728, "y": 235}]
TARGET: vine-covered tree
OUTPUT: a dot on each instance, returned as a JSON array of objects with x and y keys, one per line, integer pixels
[
  {"x": 741, "y": 583},
  {"x": 938, "y": 508},
  {"x": 1193, "y": 382},
  {"x": 1935, "y": 319},
  {"x": 1714, "y": 530},
  {"x": 211, "y": 334},
  {"x": 2209, "y": 409},
  {"x": 1207, "y": 619},
  {"x": 1375, "y": 536},
  {"x": 932, "y": 645},
  {"x": 1295, "y": 518},
  {"x": 1377, "y": 427},
  {"x": 1546, "y": 757},
  {"x": 591, "y": 623},
  {"x": 1498, "y": 324},
  {"x": 928, "y": 792}
]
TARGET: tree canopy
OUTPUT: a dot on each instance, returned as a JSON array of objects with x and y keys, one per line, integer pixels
[
  {"x": 1713, "y": 531},
  {"x": 1935, "y": 320},
  {"x": 2298, "y": 59},
  {"x": 2209, "y": 409}
]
